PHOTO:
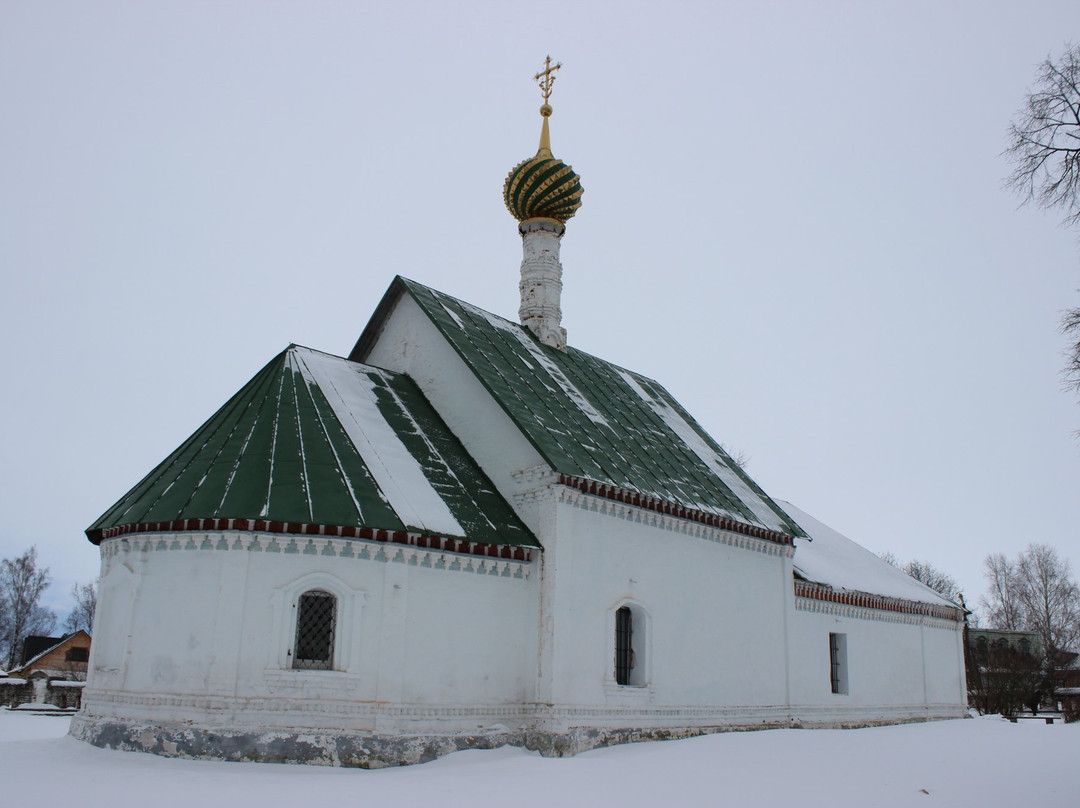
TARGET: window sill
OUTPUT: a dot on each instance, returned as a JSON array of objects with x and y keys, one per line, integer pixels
[
  {"x": 290, "y": 681},
  {"x": 633, "y": 693}
]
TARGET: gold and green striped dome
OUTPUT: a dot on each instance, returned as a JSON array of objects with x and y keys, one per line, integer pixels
[{"x": 542, "y": 186}]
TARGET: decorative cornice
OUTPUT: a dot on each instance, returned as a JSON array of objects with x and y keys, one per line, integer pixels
[
  {"x": 662, "y": 521},
  {"x": 534, "y": 478},
  {"x": 421, "y": 540},
  {"x": 363, "y": 550},
  {"x": 638, "y": 500},
  {"x": 865, "y": 600}
]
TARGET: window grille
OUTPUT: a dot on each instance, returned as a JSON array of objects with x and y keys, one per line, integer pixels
[
  {"x": 624, "y": 648},
  {"x": 838, "y": 663},
  {"x": 315, "y": 620}
]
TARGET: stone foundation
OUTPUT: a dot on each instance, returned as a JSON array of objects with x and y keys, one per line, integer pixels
[{"x": 376, "y": 751}]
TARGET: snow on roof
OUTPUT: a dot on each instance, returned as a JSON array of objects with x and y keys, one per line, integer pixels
[
  {"x": 536, "y": 353},
  {"x": 835, "y": 560},
  {"x": 351, "y": 394},
  {"x": 588, "y": 418},
  {"x": 713, "y": 459},
  {"x": 315, "y": 439}
]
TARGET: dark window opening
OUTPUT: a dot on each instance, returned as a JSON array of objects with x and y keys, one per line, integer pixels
[
  {"x": 77, "y": 655},
  {"x": 838, "y": 663},
  {"x": 624, "y": 647},
  {"x": 315, "y": 620}
]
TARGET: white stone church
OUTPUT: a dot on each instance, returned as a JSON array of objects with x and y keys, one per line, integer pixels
[{"x": 469, "y": 533}]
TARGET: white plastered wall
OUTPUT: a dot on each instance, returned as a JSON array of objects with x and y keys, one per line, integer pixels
[
  {"x": 203, "y": 635},
  {"x": 713, "y": 612},
  {"x": 898, "y": 665}
]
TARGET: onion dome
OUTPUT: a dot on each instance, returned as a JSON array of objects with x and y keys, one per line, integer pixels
[{"x": 542, "y": 186}]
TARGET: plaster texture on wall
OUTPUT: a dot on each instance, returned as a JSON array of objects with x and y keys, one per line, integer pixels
[
  {"x": 610, "y": 555},
  {"x": 724, "y": 643},
  {"x": 439, "y": 651},
  {"x": 205, "y": 635},
  {"x": 904, "y": 663}
]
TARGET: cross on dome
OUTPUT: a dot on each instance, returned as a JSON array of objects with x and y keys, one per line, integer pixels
[
  {"x": 546, "y": 80},
  {"x": 542, "y": 186}
]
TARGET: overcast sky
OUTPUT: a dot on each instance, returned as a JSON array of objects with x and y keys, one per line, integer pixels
[{"x": 793, "y": 219}]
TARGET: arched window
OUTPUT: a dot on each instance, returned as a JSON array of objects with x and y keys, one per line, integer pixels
[
  {"x": 316, "y": 619},
  {"x": 630, "y": 649}
]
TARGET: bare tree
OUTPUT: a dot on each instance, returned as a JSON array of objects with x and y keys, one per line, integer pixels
[
  {"x": 1036, "y": 592},
  {"x": 1002, "y": 602},
  {"x": 1044, "y": 149},
  {"x": 82, "y": 615},
  {"x": 1044, "y": 140},
  {"x": 741, "y": 458},
  {"x": 926, "y": 573},
  {"x": 891, "y": 558},
  {"x": 1050, "y": 597},
  {"x": 5, "y": 626},
  {"x": 1070, "y": 327},
  {"x": 21, "y": 587},
  {"x": 941, "y": 582}
]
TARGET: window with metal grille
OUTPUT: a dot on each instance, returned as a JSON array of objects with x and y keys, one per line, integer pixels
[
  {"x": 316, "y": 616},
  {"x": 838, "y": 663},
  {"x": 624, "y": 645}
]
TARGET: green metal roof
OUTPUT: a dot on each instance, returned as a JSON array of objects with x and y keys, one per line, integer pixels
[
  {"x": 589, "y": 418},
  {"x": 315, "y": 439}
]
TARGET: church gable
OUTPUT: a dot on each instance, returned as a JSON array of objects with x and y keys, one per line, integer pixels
[
  {"x": 587, "y": 418},
  {"x": 316, "y": 440}
]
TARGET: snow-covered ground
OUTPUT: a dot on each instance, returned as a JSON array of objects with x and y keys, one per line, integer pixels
[{"x": 983, "y": 762}]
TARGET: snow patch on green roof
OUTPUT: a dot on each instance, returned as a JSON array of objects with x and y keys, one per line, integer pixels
[
  {"x": 589, "y": 418},
  {"x": 351, "y": 392},
  {"x": 317, "y": 439}
]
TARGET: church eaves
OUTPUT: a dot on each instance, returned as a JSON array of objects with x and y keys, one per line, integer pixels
[
  {"x": 315, "y": 443},
  {"x": 589, "y": 419}
]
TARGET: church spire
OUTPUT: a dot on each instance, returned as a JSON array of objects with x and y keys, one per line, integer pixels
[
  {"x": 546, "y": 79},
  {"x": 542, "y": 193}
]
